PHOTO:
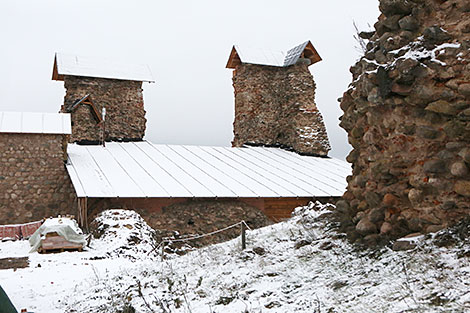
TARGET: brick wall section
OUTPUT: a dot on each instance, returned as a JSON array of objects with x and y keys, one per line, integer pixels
[
  {"x": 33, "y": 180},
  {"x": 407, "y": 115},
  {"x": 123, "y": 100},
  {"x": 276, "y": 107}
]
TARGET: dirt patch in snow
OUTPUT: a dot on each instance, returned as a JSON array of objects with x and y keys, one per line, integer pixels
[{"x": 14, "y": 263}]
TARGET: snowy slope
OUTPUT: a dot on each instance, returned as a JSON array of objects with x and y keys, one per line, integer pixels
[{"x": 295, "y": 266}]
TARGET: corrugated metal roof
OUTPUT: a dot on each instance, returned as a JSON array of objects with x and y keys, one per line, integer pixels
[
  {"x": 74, "y": 65},
  {"x": 35, "y": 123},
  {"x": 293, "y": 55},
  {"x": 143, "y": 169}
]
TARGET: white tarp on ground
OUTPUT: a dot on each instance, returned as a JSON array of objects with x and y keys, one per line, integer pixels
[
  {"x": 65, "y": 227},
  {"x": 143, "y": 169}
]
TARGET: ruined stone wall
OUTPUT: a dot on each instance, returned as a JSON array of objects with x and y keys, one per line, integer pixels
[
  {"x": 407, "y": 115},
  {"x": 275, "y": 106},
  {"x": 33, "y": 180},
  {"x": 187, "y": 216},
  {"x": 123, "y": 100}
]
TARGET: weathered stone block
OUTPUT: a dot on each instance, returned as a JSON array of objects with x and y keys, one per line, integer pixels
[
  {"x": 441, "y": 106},
  {"x": 434, "y": 166},
  {"x": 376, "y": 215},
  {"x": 464, "y": 89},
  {"x": 365, "y": 226},
  {"x": 372, "y": 199},
  {"x": 427, "y": 132},
  {"x": 462, "y": 187},
  {"x": 408, "y": 23},
  {"x": 459, "y": 169}
]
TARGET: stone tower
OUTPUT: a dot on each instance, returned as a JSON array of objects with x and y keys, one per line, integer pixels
[
  {"x": 407, "y": 115},
  {"x": 275, "y": 100},
  {"x": 92, "y": 84}
]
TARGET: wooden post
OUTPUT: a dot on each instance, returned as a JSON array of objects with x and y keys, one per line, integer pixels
[
  {"x": 83, "y": 213},
  {"x": 163, "y": 251},
  {"x": 79, "y": 213},
  {"x": 103, "y": 117},
  {"x": 243, "y": 228}
]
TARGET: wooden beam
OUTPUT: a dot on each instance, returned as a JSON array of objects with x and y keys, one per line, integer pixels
[{"x": 83, "y": 213}]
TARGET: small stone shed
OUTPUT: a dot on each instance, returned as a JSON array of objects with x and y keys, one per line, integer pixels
[
  {"x": 95, "y": 83},
  {"x": 33, "y": 180}
]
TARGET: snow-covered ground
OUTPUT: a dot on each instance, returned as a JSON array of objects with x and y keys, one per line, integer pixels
[{"x": 295, "y": 266}]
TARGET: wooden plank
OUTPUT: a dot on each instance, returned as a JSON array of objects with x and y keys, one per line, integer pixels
[
  {"x": 281, "y": 208},
  {"x": 53, "y": 241}
]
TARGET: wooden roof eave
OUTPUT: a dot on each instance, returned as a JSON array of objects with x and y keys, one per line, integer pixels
[
  {"x": 233, "y": 60},
  {"x": 315, "y": 56},
  {"x": 55, "y": 71}
]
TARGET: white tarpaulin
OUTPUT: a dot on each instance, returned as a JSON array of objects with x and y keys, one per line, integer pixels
[{"x": 63, "y": 226}]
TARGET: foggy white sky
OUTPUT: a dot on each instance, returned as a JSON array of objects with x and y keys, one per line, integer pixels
[{"x": 186, "y": 44}]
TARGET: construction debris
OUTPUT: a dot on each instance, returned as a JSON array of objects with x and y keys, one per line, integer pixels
[{"x": 19, "y": 231}]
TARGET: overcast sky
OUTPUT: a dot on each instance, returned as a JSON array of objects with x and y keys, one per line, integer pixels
[{"x": 186, "y": 44}]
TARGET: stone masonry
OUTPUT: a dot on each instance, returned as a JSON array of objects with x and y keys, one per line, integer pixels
[
  {"x": 193, "y": 216},
  {"x": 407, "y": 115},
  {"x": 33, "y": 180},
  {"x": 123, "y": 100},
  {"x": 275, "y": 106}
]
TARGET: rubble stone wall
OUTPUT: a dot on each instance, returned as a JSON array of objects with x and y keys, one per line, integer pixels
[
  {"x": 407, "y": 115},
  {"x": 275, "y": 106},
  {"x": 123, "y": 100},
  {"x": 186, "y": 216},
  {"x": 33, "y": 180}
]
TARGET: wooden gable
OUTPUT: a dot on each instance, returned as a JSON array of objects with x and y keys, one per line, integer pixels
[{"x": 311, "y": 53}]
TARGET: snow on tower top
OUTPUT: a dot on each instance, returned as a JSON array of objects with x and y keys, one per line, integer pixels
[
  {"x": 73, "y": 65},
  {"x": 272, "y": 58}
]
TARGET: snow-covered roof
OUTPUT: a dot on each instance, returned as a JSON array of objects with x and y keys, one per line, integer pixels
[
  {"x": 35, "y": 123},
  {"x": 142, "y": 169},
  {"x": 73, "y": 65},
  {"x": 272, "y": 58}
]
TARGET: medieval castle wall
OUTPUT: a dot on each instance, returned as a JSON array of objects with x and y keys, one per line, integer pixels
[
  {"x": 123, "y": 100},
  {"x": 33, "y": 180},
  {"x": 275, "y": 106},
  {"x": 407, "y": 115}
]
